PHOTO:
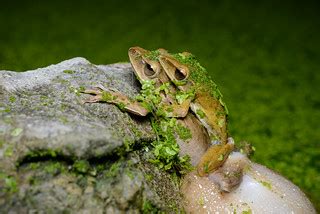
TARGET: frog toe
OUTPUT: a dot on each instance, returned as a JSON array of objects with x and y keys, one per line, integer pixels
[
  {"x": 229, "y": 175},
  {"x": 93, "y": 99}
]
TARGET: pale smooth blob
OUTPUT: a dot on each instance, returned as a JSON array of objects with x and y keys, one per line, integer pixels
[{"x": 260, "y": 191}]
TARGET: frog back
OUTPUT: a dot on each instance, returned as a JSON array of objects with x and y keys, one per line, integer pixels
[{"x": 213, "y": 116}]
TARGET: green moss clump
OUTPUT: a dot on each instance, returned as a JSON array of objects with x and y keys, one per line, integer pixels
[
  {"x": 266, "y": 184},
  {"x": 68, "y": 71},
  {"x": 12, "y": 99},
  {"x": 9, "y": 151},
  {"x": 107, "y": 96},
  {"x": 81, "y": 166},
  {"x": 113, "y": 170},
  {"x": 153, "y": 55},
  {"x": 165, "y": 147},
  {"x": 183, "y": 132},
  {"x": 10, "y": 183},
  {"x": 54, "y": 168},
  {"x": 148, "y": 207},
  {"x": 16, "y": 132},
  {"x": 200, "y": 113}
]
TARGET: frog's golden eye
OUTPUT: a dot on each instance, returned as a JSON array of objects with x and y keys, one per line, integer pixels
[
  {"x": 179, "y": 75},
  {"x": 148, "y": 70}
]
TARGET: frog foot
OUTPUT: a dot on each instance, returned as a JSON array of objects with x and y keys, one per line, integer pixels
[{"x": 229, "y": 175}]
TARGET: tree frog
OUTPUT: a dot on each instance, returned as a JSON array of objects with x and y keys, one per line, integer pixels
[
  {"x": 206, "y": 102},
  {"x": 147, "y": 68}
]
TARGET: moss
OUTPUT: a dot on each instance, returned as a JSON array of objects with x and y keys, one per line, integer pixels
[
  {"x": 6, "y": 110},
  {"x": 148, "y": 177},
  {"x": 9, "y": 151},
  {"x": 201, "y": 201},
  {"x": 121, "y": 106},
  {"x": 107, "y": 96},
  {"x": 148, "y": 207},
  {"x": 12, "y": 99},
  {"x": 63, "y": 81},
  {"x": 266, "y": 184},
  {"x": 16, "y": 132},
  {"x": 54, "y": 168},
  {"x": 113, "y": 170},
  {"x": 63, "y": 119},
  {"x": 153, "y": 55},
  {"x": 183, "y": 132},
  {"x": 129, "y": 173},
  {"x": 10, "y": 183},
  {"x": 182, "y": 96},
  {"x": 200, "y": 113},
  {"x": 34, "y": 166},
  {"x": 221, "y": 157},
  {"x": 81, "y": 166},
  {"x": 43, "y": 153},
  {"x": 68, "y": 71},
  {"x": 128, "y": 144}
]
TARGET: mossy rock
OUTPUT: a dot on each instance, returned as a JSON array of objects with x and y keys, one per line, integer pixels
[{"x": 59, "y": 154}]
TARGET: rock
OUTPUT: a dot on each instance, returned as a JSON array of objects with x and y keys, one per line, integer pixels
[{"x": 58, "y": 154}]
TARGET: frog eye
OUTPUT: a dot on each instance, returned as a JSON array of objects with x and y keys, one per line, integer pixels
[
  {"x": 148, "y": 70},
  {"x": 179, "y": 75}
]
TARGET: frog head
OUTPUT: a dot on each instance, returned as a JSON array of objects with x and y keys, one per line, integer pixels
[
  {"x": 146, "y": 66},
  {"x": 177, "y": 72}
]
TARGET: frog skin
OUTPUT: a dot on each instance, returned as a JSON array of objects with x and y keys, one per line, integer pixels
[
  {"x": 150, "y": 69},
  {"x": 190, "y": 77}
]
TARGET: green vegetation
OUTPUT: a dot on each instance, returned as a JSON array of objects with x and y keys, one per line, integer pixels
[
  {"x": 113, "y": 170},
  {"x": 68, "y": 72},
  {"x": 9, "y": 151},
  {"x": 10, "y": 183},
  {"x": 266, "y": 184},
  {"x": 16, "y": 132},
  {"x": 148, "y": 207},
  {"x": 165, "y": 147},
  {"x": 263, "y": 55},
  {"x": 12, "y": 99},
  {"x": 81, "y": 166}
]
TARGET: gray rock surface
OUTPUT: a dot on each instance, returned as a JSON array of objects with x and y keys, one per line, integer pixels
[{"x": 58, "y": 154}]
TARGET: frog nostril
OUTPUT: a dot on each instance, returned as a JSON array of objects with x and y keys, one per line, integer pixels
[
  {"x": 179, "y": 75},
  {"x": 148, "y": 70}
]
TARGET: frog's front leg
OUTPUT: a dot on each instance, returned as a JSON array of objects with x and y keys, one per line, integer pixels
[
  {"x": 214, "y": 157},
  {"x": 102, "y": 94}
]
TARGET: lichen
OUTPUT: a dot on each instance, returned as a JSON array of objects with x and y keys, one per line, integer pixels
[{"x": 16, "y": 132}]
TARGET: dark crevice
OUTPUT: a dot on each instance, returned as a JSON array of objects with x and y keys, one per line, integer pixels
[{"x": 55, "y": 156}]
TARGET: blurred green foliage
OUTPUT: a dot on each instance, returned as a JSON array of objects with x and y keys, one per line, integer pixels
[{"x": 264, "y": 56}]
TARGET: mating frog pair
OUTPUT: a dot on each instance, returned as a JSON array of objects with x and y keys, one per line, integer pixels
[{"x": 186, "y": 86}]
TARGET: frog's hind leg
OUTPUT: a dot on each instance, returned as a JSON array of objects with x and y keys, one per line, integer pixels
[{"x": 214, "y": 157}]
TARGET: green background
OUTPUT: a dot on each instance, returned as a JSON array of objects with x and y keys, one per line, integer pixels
[{"x": 264, "y": 56}]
